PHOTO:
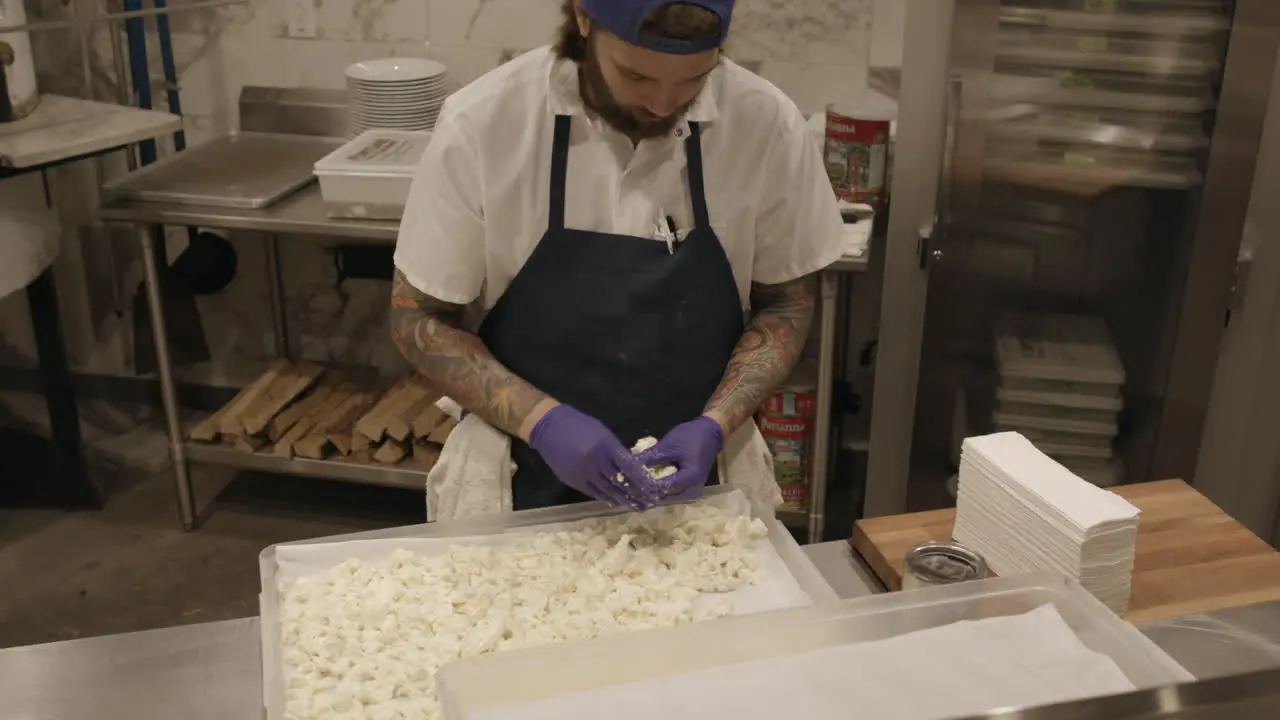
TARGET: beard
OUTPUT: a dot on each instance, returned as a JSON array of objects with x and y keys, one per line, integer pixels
[{"x": 634, "y": 122}]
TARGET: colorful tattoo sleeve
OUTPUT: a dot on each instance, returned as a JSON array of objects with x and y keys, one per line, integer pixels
[
  {"x": 768, "y": 350},
  {"x": 428, "y": 333}
]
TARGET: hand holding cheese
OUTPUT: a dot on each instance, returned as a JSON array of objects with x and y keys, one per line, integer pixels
[
  {"x": 692, "y": 447},
  {"x": 586, "y": 456}
]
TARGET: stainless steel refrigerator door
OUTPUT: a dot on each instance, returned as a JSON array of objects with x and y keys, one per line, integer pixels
[{"x": 1239, "y": 461}]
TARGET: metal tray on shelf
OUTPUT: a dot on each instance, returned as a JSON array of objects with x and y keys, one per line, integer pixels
[
  {"x": 1137, "y": 131},
  {"x": 1105, "y": 90},
  {"x": 239, "y": 170},
  {"x": 1084, "y": 170},
  {"x": 1112, "y": 7},
  {"x": 1186, "y": 19},
  {"x": 1108, "y": 51}
]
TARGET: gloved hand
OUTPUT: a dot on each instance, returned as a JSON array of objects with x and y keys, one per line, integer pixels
[
  {"x": 692, "y": 447},
  {"x": 587, "y": 457}
]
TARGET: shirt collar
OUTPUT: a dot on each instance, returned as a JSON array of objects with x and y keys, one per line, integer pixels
[{"x": 565, "y": 97}]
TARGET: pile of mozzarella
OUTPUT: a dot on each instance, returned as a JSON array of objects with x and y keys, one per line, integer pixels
[{"x": 365, "y": 639}]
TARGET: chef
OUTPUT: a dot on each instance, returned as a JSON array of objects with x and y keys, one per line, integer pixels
[{"x": 641, "y": 222}]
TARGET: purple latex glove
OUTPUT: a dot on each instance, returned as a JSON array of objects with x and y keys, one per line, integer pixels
[
  {"x": 692, "y": 447},
  {"x": 587, "y": 457}
]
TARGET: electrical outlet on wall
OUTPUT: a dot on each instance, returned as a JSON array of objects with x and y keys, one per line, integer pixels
[{"x": 300, "y": 16}]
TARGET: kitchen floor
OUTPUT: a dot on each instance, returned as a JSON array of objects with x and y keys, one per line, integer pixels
[{"x": 131, "y": 567}]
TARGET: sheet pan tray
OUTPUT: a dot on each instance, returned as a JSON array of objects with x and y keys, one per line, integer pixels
[{"x": 239, "y": 170}]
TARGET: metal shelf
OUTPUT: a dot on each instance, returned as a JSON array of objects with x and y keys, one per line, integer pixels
[
  {"x": 1182, "y": 25},
  {"x": 405, "y": 476}
]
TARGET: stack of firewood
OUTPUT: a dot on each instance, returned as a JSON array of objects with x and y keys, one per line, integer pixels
[{"x": 306, "y": 411}]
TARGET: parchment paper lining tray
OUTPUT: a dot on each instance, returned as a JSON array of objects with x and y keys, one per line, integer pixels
[{"x": 791, "y": 578}]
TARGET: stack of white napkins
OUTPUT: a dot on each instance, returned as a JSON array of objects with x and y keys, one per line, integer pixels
[{"x": 1025, "y": 513}]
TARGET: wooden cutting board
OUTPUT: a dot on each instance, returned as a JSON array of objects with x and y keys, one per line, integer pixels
[{"x": 1191, "y": 556}]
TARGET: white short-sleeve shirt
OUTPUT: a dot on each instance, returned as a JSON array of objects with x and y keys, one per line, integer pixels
[{"x": 479, "y": 201}]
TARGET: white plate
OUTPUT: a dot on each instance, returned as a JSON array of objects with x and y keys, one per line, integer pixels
[
  {"x": 425, "y": 82},
  {"x": 395, "y": 70},
  {"x": 391, "y": 110},
  {"x": 424, "y": 115},
  {"x": 399, "y": 98},
  {"x": 395, "y": 110},
  {"x": 395, "y": 114},
  {"x": 408, "y": 91},
  {"x": 362, "y": 127},
  {"x": 398, "y": 102},
  {"x": 393, "y": 121},
  {"x": 407, "y": 105},
  {"x": 389, "y": 89},
  {"x": 404, "y": 78}
]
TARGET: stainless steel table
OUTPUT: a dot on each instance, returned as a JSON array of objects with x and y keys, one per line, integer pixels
[
  {"x": 300, "y": 214},
  {"x": 303, "y": 214},
  {"x": 213, "y": 670}
]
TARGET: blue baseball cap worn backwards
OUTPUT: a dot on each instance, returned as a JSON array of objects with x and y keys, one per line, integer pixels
[{"x": 624, "y": 18}]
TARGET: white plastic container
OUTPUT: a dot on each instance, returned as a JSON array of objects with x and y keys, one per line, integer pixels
[
  {"x": 477, "y": 687},
  {"x": 486, "y": 529},
  {"x": 370, "y": 176}
]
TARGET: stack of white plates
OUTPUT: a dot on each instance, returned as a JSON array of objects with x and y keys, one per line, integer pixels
[
  {"x": 1026, "y": 513},
  {"x": 396, "y": 94}
]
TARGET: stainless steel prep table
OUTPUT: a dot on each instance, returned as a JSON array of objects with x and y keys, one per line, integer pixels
[
  {"x": 212, "y": 670},
  {"x": 303, "y": 213}
]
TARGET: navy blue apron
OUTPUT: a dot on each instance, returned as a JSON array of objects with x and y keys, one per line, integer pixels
[{"x": 617, "y": 326}]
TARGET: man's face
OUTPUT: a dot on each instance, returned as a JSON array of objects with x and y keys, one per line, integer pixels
[{"x": 641, "y": 92}]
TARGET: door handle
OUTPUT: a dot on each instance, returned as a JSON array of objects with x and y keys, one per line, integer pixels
[
  {"x": 933, "y": 232},
  {"x": 1239, "y": 284},
  {"x": 926, "y": 247}
]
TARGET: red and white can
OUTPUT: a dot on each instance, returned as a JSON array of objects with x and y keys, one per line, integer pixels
[
  {"x": 856, "y": 153},
  {"x": 786, "y": 423}
]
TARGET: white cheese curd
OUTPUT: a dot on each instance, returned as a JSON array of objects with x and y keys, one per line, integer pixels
[
  {"x": 657, "y": 473},
  {"x": 365, "y": 639}
]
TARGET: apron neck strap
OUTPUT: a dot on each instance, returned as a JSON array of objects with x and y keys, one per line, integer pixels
[
  {"x": 560, "y": 174},
  {"x": 559, "y": 171},
  {"x": 693, "y": 151}
]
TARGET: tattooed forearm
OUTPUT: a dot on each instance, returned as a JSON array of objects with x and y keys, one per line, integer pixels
[
  {"x": 768, "y": 350},
  {"x": 427, "y": 332}
]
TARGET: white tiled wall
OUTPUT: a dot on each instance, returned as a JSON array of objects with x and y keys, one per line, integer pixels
[{"x": 815, "y": 50}]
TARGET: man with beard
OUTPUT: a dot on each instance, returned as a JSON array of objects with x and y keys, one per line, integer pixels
[{"x": 642, "y": 221}]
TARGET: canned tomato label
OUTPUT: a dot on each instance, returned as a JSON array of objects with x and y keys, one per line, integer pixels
[
  {"x": 855, "y": 156},
  {"x": 786, "y": 423}
]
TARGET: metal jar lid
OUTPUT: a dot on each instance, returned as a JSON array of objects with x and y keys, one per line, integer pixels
[{"x": 944, "y": 563}]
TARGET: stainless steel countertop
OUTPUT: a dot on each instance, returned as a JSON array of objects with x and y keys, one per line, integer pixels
[
  {"x": 302, "y": 213},
  {"x": 213, "y": 670}
]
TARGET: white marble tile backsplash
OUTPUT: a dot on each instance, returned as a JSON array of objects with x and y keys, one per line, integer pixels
[{"x": 814, "y": 50}]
